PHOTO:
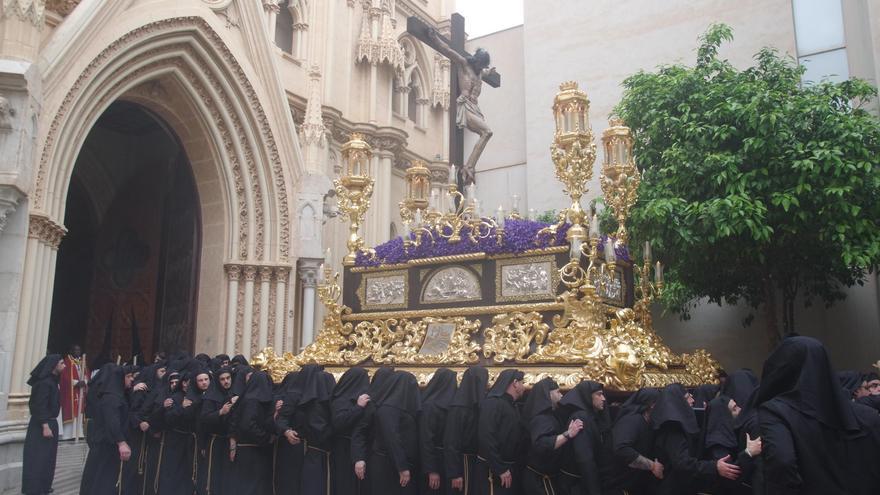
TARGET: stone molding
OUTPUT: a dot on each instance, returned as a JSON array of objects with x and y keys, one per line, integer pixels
[
  {"x": 33, "y": 11},
  {"x": 47, "y": 167},
  {"x": 45, "y": 230}
]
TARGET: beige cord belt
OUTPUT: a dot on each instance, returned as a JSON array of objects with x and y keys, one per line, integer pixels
[
  {"x": 326, "y": 462},
  {"x": 159, "y": 464},
  {"x": 545, "y": 480}
]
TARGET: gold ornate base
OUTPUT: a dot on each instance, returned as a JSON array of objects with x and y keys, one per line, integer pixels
[{"x": 582, "y": 343}]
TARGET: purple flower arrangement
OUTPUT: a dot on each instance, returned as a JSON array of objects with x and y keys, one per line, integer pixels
[{"x": 519, "y": 235}]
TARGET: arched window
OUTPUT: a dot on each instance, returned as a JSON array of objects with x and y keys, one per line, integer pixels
[
  {"x": 284, "y": 28},
  {"x": 412, "y": 99},
  {"x": 395, "y": 96}
]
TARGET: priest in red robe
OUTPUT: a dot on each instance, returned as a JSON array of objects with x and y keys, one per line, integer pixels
[{"x": 74, "y": 380}]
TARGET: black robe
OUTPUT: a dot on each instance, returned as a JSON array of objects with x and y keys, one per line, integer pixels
[
  {"x": 587, "y": 456},
  {"x": 460, "y": 435},
  {"x": 176, "y": 472},
  {"x": 214, "y": 432},
  {"x": 392, "y": 431},
  {"x": 309, "y": 416},
  {"x": 436, "y": 399},
  {"x": 501, "y": 437},
  {"x": 103, "y": 472},
  {"x": 677, "y": 445},
  {"x": 544, "y": 459},
  {"x": 253, "y": 428},
  {"x": 631, "y": 437},
  {"x": 345, "y": 413},
  {"x": 38, "y": 459},
  {"x": 806, "y": 422},
  {"x": 287, "y": 458}
]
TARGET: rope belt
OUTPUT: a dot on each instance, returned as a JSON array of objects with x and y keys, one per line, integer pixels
[
  {"x": 159, "y": 464},
  {"x": 546, "y": 480},
  {"x": 491, "y": 478},
  {"x": 466, "y": 472},
  {"x": 195, "y": 474},
  {"x": 563, "y": 471},
  {"x": 247, "y": 445},
  {"x": 210, "y": 463},
  {"x": 326, "y": 462},
  {"x": 142, "y": 453},
  {"x": 119, "y": 478}
]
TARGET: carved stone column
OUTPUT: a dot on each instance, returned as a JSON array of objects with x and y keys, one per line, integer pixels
[
  {"x": 272, "y": 9},
  {"x": 265, "y": 310},
  {"x": 280, "y": 340},
  {"x": 308, "y": 277},
  {"x": 247, "y": 340},
  {"x": 44, "y": 237},
  {"x": 233, "y": 274}
]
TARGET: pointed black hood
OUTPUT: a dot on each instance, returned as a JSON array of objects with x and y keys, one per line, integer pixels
[
  {"x": 719, "y": 424},
  {"x": 44, "y": 368},
  {"x": 401, "y": 393},
  {"x": 499, "y": 388},
  {"x": 672, "y": 407},
  {"x": 538, "y": 401},
  {"x": 739, "y": 386},
  {"x": 799, "y": 374},
  {"x": 216, "y": 392},
  {"x": 472, "y": 389},
  {"x": 639, "y": 402},
  {"x": 312, "y": 385},
  {"x": 259, "y": 387},
  {"x": 441, "y": 389},
  {"x": 352, "y": 384}
]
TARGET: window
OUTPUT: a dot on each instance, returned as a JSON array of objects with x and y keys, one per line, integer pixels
[
  {"x": 821, "y": 41},
  {"x": 284, "y": 28}
]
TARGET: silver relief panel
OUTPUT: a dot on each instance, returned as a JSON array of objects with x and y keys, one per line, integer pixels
[
  {"x": 450, "y": 285},
  {"x": 529, "y": 279},
  {"x": 611, "y": 288},
  {"x": 383, "y": 292}
]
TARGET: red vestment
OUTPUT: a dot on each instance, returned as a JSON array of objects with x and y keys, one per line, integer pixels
[{"x": 72, "y": 401}]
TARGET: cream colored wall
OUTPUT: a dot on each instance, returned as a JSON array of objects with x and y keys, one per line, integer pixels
[
  {"x": 598, "y": 44},
  {"x": 501, "y": 171}
]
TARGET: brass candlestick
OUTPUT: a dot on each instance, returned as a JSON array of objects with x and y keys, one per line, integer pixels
[{"x": 353, "y": 191}]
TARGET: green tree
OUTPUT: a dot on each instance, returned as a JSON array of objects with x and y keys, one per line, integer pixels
[{"x": 755, "y": 187}]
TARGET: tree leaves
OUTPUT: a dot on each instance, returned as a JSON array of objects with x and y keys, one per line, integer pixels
[{"x": 749, "y": 176}]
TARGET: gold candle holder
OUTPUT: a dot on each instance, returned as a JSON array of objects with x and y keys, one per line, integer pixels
[
  {"x": 620, "y": 177},
  {"x": 353, "y": 191}
]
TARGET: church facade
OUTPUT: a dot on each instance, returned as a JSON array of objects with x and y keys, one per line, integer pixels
[{"x": 167, "y": 169}]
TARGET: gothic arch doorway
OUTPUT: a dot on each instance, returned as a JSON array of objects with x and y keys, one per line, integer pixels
[{"x": 127, "y": 272}]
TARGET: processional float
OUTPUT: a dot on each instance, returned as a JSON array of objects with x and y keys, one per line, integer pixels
[{"x": 462, "y": 288}]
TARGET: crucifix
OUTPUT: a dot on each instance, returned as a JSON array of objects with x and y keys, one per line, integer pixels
[{"x": 466, "y": 82}]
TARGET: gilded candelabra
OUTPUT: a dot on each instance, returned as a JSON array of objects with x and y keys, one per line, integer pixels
[
  {"x": 353, "y": 191},
  {"x": 620, "y": 178},
  {"x": 464, "y": 222},
  {"x": 645, "y": 290},
  {"x": 573, "y": 152}
]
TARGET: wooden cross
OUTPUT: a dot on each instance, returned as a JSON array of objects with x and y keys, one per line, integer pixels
[{"x": 419, "y": 30}]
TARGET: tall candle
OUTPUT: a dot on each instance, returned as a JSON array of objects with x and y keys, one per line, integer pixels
[
  {"x": 658, "y": 273},
  {"x": 648, "y": 251},
  {"x": 610, "y": 255}
]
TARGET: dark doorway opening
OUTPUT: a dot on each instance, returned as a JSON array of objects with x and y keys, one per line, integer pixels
[{"x": 126, "y": 277}]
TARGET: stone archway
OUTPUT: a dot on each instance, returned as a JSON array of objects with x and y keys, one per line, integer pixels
[{"x": 181, "y": 70}]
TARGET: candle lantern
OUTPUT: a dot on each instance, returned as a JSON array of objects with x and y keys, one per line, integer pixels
[
  {"x": 573, "y": 151},
  {"x": 620, "y": 177},
  {"x": 354, "y": 189}
]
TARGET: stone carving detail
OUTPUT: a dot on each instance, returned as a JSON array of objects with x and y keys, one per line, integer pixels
[
  {"x": 382, "y": 47},
  {"x": 6, "y": 114},
  {"x": 33, "y": 11},
  {"x": 266, "y": 134},
  {"x": 450, "y": 285},
  {"x": 440, "y": 89},
  {"x": 46, "y": 231},
  {"x": 313, "y": 124}
]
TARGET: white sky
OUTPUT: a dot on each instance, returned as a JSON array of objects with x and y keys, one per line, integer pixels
[{"x": 482, "y": 17}]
